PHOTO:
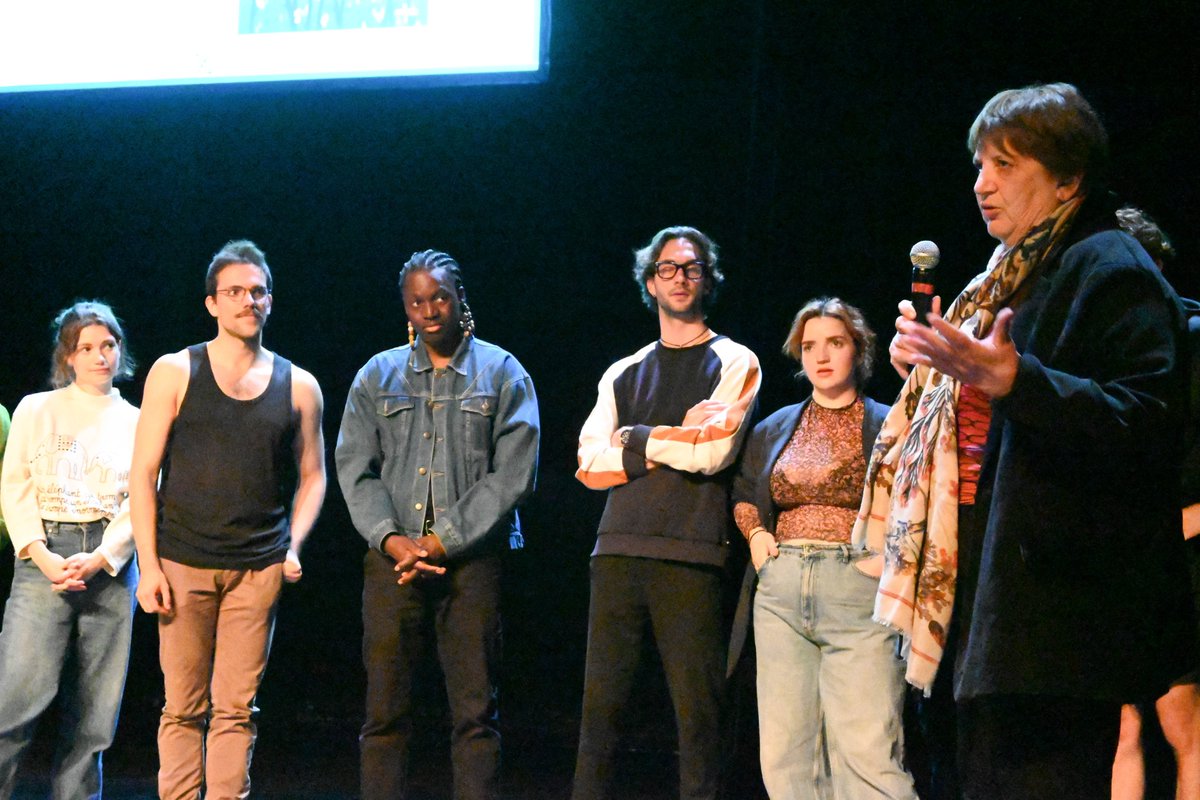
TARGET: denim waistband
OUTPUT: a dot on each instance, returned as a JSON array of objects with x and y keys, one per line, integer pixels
[
  {"x": 93, "y": 526},
  {"x": 817, "y": 550}
]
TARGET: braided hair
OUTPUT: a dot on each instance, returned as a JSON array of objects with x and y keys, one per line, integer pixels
[{"x": 429, "y": 260}]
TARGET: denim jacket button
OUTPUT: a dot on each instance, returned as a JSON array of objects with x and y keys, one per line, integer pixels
[
  {"x": 421, "y": 471},
  {"x": 417, "y": 506}
]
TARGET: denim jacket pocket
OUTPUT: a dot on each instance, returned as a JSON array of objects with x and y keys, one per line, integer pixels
[
  {"x": 396, "y": 415},
  {"x": 482, "y": 404},
  {"x": 387, "y": 405},
  {"x": 479, "y": 412}
]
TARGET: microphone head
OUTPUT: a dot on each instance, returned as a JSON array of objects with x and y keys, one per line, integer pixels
[{"x": 924, "y": 255}]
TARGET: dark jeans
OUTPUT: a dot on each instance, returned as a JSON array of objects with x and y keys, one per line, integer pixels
[
  {"x": 679, "y": 605},
  {"x": 1036, "y": 747},
  {"x": 462, "y": 612}
]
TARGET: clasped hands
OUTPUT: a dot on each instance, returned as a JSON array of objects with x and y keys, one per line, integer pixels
[
  {"x": 69, "y": 574},
  {"x": 988, "y": 364},
  {"x": 415, "y": 558}
]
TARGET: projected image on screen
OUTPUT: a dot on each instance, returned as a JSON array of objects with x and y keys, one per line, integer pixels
[
  {"x": 80, "y": 44},
  {"x": 288, "y": 16}
]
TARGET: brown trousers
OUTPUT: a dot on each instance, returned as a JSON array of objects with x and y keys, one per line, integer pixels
[{"x": 213, "y": 650}]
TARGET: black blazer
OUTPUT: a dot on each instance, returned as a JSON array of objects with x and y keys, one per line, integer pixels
[{"x": 752, "y": 484}]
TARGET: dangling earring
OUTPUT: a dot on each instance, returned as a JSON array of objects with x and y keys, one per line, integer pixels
[
  {"x": 412, "y": 339},
  {"x": 467, "y": 323}
]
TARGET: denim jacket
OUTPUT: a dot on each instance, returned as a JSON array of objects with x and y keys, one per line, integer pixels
[{"x": 467, "y": 434}]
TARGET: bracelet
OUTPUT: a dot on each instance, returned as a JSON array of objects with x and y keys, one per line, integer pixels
[{"x": 754, "y": 532}]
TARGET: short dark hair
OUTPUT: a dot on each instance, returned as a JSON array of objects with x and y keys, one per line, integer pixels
[
  {"x": 238, "y": 251},
  {"x": 66, "y": 327},
  {"x": 706, "y": 248},
  {"x": 1050, "y": 122},
  {"x": 856, "y": 325}
]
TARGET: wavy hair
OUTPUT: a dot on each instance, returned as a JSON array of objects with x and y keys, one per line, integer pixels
[
  {"x": 856, "y": 325},
  {"x": 66, "y": 327},
  {"x": 706, "y": 248}
]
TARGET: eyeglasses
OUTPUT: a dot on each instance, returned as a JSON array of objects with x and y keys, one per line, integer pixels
[
  {"x": 692, "y": 270},
  {"x": 257, "y": 293}
]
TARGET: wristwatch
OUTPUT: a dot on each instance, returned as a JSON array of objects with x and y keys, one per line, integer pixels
[{"x": 624, "y": 437}]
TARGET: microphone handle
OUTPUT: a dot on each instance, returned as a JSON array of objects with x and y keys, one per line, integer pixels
[{"x": 922, "y": 292}]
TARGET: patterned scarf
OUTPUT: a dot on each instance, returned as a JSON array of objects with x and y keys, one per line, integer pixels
[{"x": 909, "y": 510}]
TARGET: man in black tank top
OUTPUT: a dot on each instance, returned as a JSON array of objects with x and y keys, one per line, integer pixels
[{"x": 235, "y": 432}]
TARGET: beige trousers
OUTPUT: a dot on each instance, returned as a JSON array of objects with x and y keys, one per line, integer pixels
[{"x": 213, "y": 650}]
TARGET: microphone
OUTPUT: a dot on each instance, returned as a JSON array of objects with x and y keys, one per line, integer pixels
[{"x": 924, "y": 257}]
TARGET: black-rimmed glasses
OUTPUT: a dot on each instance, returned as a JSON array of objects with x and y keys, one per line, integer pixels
[{"x": 692, "y": 270}]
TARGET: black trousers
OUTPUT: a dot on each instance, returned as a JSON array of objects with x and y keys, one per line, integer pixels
[
  {"x": 460, "y": 612},
  {"x": 1037, "y": 747},
  {"x": 679, "y": 606}
]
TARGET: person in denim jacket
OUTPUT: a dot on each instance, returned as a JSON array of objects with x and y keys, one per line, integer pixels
[{"x": 438, "y": 446}]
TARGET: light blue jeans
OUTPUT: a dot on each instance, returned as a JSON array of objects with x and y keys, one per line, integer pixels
[
  {"x": 43, "y": 632},
  {"x": 821, "y": 659}
]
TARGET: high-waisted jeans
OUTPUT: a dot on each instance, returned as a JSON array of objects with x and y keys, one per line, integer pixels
[
  {"x": 43, "y": 632},
  {"x": 822, "y": 660}
]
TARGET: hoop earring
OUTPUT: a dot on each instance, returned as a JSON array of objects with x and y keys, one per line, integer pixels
[
  {"x": 412, "y": 339},
  {"x": 467, "y": 322}
]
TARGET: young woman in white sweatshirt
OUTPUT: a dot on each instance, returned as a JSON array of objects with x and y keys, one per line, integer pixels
[{"x": 64, "y": 492}]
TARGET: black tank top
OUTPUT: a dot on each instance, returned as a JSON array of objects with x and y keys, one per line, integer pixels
[{"x": 228, "y": 473}]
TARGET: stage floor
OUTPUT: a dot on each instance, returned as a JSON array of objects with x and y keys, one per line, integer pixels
[{"x": 320, "y": 762}]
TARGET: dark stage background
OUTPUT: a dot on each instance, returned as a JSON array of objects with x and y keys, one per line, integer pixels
[{"x": 815, "y": 141}]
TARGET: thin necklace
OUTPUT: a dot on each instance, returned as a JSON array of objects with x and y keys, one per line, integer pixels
[
  {"x": 685, "y": 344},
  {"x": 836, "y": 408}
]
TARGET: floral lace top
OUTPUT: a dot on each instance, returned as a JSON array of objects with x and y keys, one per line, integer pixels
[{"x": 817, "y": 481}]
